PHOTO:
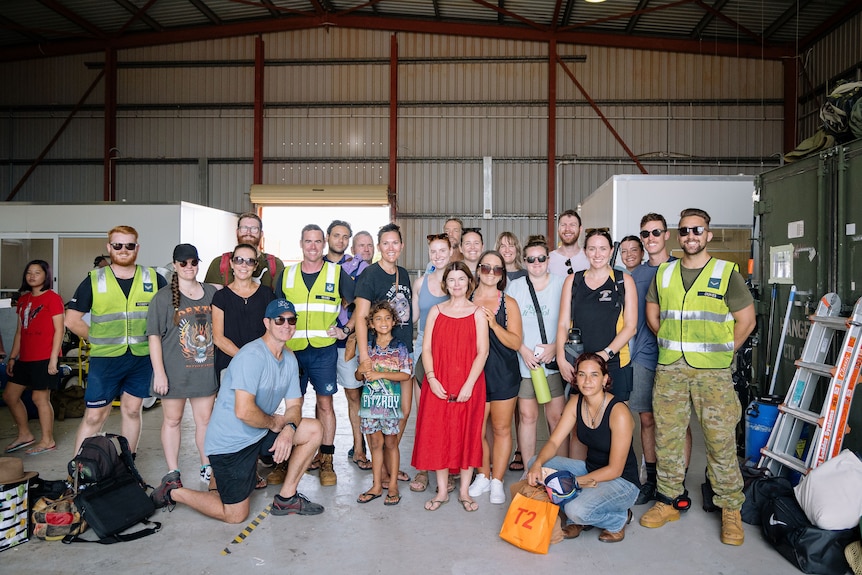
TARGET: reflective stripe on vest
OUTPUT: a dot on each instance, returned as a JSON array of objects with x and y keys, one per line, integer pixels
[
  {"x": 117, "y": 322},
  {"x": 695, "y": 324},
  {"x": 316, "y": 310}
]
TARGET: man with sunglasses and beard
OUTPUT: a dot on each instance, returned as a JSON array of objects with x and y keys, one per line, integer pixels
[
  {"x": 249, "y": 230},
  {"x": 246, "y": 423},
  {"x": 569, "y": 257},
  {"x": 701, "y": 311},
  {"x": 117, "y": 297}
]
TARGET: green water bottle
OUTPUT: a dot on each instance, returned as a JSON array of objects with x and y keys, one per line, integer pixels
[{"x": 540, "y": 384}]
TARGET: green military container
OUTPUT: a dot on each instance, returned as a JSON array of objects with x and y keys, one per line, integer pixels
[{"x": 806, "y": 235}]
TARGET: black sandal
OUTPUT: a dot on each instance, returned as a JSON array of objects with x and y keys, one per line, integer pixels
[{"x": 517, "y": 462}]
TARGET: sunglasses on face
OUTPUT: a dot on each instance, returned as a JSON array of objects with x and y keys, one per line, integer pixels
[
  {"x": 432, "y": 237},
  {"x": 243, "y": 261},
  {"x": 129, "y": 246},
  {"x": 655, "y": 233},
  {"x": 696, "y": 230},
  {"x": 489, "y": 269},
  {"x": 540, "y": 259},
  {"x": 281, "y": 319},
  {"x": 187, "y": 263}
]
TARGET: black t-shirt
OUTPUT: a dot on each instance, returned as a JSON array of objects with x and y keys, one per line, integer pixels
[
  {"x": 243, "y": 318},
  {"x": 374, "y": 285},
  {"x": 596, "y": 312}
]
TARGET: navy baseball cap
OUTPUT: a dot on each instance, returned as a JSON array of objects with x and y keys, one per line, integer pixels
[{"x": 277, "y": 307}]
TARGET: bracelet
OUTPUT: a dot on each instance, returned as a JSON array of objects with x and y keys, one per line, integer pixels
[
  {"x": 430, "y": 374},
  {"x": 291, "y": 425}
]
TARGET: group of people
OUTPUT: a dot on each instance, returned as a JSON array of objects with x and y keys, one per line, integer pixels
[{"x": 495, "y": 328}]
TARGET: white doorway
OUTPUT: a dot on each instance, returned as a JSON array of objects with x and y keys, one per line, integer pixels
[{"x": 282, "y": 225}]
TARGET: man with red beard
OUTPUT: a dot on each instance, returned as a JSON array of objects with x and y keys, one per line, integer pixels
[
  {"x": 249, "y": 230},
  {"x": 568, "y": 258}
]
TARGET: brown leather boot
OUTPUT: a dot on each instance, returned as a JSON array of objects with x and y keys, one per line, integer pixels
[
  {"x": 327, "y": 473},
  {"x": 732, "y": 532}
]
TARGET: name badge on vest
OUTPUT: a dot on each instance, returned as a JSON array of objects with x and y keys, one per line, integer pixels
[
  {"x": 714, "y": 283},
  {"x": 710, "y": 294},
  {"x": 324, "y": 297},
  {"x": 148, "y": 287},
  {"x": 330, "y": 288},
  {"x": 142, "y": 304}
]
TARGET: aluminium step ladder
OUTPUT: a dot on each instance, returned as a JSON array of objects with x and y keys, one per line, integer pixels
[{"x": 830, "y": 424}]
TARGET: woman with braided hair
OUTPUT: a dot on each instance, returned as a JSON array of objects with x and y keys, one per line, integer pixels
[{"x": 180, "y": 332}]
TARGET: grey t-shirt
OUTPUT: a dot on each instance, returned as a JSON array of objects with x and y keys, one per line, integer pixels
[
  {"x": 188, "y": 351},
  {"x": 549, "y": 301}
]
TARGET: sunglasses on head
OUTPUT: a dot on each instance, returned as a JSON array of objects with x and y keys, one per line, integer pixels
[
  {"x": 655, "y": 233},
  {"x": 129, "y": 246},
  {"x": 489, "y": 269},
  {"x": 540, "y": 259},
  {"x": 593, "y": 231},
  {"x": 281, "y": 319},
  {"x": 696, "y": 230},
  {"x": 243, "y": 261},
  {"x": 186, "y": 263},
  {"x": 432, "y": 237}
]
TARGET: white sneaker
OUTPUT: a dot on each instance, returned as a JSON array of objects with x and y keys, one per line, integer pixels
[
  {"x": 498, "y": 494},
  {"x": 479, "y": 486}
]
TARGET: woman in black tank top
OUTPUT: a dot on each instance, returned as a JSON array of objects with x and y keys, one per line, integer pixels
[{"x": 608, "y": 477}]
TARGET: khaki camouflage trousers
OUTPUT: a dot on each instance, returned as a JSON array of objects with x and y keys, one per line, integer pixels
[{"x": 679, "y": 388}]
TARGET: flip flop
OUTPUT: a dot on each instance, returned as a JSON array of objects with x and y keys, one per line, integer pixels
[
  {"x": 363, "y": 464},
  {"x": 315, "y": 463},
  {"x": 402, "y": 476},
  {"x": 420, "y": 482},
  {"x": 261, "y": 483},
  {"x": 19, "y": 446},
  {"x": 517, "y": 462},
  {"x": 469, "y": 506},
  {"x": 392, "y": 499},
  {"x": 38, "y": 450},
  {"x": 368, "y": 497},
  {"x": 435, "y": 504}
]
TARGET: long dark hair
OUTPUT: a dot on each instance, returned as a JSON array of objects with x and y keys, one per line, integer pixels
[
  {"x": 603, "y": 366},
  {"x": 501, "y": 284},
  {"x": 46, "y": 267}
]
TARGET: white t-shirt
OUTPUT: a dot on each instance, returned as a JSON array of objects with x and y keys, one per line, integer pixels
[
  {"x": 557, "y": 263},
  {"x": 549, "y": 302}
]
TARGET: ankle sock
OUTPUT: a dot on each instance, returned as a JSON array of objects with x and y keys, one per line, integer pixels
[
  {"x": 281, "y": 499},
  {"x": 650, "y": 472},
  {"x": 327, "y": 449}
]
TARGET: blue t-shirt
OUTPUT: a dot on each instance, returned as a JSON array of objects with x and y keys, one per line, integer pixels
[
  {"x": 643, "y": 346},
  {"x": 255, "y": 370}
]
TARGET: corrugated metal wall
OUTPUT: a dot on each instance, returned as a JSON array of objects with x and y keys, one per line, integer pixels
[{"x": 185, "y": 122}]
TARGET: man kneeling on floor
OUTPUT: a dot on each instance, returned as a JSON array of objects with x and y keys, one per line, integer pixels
[{"x": 241, "y": 428}]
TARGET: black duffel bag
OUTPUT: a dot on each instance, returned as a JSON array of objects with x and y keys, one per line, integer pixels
[{"x": 811, "y": 549}]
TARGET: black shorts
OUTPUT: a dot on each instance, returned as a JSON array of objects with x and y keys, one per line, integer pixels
[
  {"x": 236, "y": 473},
  {"x": 34, "y": 374}
]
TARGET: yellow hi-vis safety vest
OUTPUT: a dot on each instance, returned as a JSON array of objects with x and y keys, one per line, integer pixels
[
  {"x": 695, "y": 324},
  {"x": 316, "y": 310},
  {"x": 118, "y": 322}
]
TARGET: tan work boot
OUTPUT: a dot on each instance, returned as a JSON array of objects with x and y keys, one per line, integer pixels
[
  {"x": 732, "y": 532},
  {"x": 660, "y": 514},
  {"x": 276, "y": 476},
  {"x": 327, "y": 473}
]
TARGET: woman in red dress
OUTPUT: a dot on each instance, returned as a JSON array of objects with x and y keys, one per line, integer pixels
[{"x": 450, "y": 418}]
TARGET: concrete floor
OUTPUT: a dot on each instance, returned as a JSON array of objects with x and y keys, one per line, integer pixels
[{"x": 370, "y": 538}]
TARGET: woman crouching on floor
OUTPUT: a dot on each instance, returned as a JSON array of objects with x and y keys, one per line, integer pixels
[{"x": 609, "y": 476}]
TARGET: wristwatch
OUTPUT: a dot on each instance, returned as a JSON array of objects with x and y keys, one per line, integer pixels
[
  {"x": 610, "y": 353},
  {"x": 347, "y": 330},
  {"x": 291, "y": 424}
]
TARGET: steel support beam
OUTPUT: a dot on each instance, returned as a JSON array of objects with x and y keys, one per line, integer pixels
[
  {"x": 393, "y": 127},
  {"x": 369, "y": 22},
  {"x": 604, "y": 119},
  {"x": 73, "y": 18},
  {"x": 53, "y": 141},
  {"x": 110, "y": 144},
  {"x": 552, "y": 140},
  {"x": 259, "y": 61}
]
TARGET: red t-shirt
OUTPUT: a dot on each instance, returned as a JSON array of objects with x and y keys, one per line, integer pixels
[{"x": 37, "y": 324}]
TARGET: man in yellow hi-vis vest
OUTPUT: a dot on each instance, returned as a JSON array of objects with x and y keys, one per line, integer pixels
[
  {"x": 117, "y": 297},
  {"x": 701, "y": 311},
  {"x": 317, "y": 288}
]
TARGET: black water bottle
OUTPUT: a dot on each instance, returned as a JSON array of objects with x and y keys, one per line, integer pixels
[{"x": 574, "y": 345}]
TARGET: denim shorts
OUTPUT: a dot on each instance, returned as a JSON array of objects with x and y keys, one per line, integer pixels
[
  {"x": 109, "y": 377},
  {"x": 319, "y": 365}
]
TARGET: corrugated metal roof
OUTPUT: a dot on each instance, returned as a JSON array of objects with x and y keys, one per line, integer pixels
[{"x": 31, "y": 29}]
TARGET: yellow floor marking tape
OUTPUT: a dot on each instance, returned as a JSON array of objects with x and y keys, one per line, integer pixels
[{"x": 248, "y": 529}]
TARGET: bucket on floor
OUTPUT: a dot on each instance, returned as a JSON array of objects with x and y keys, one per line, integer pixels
[{"x": 759, "y": 420}]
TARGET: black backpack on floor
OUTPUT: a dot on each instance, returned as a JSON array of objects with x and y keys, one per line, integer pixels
[{"x": 111, "y": 493}]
